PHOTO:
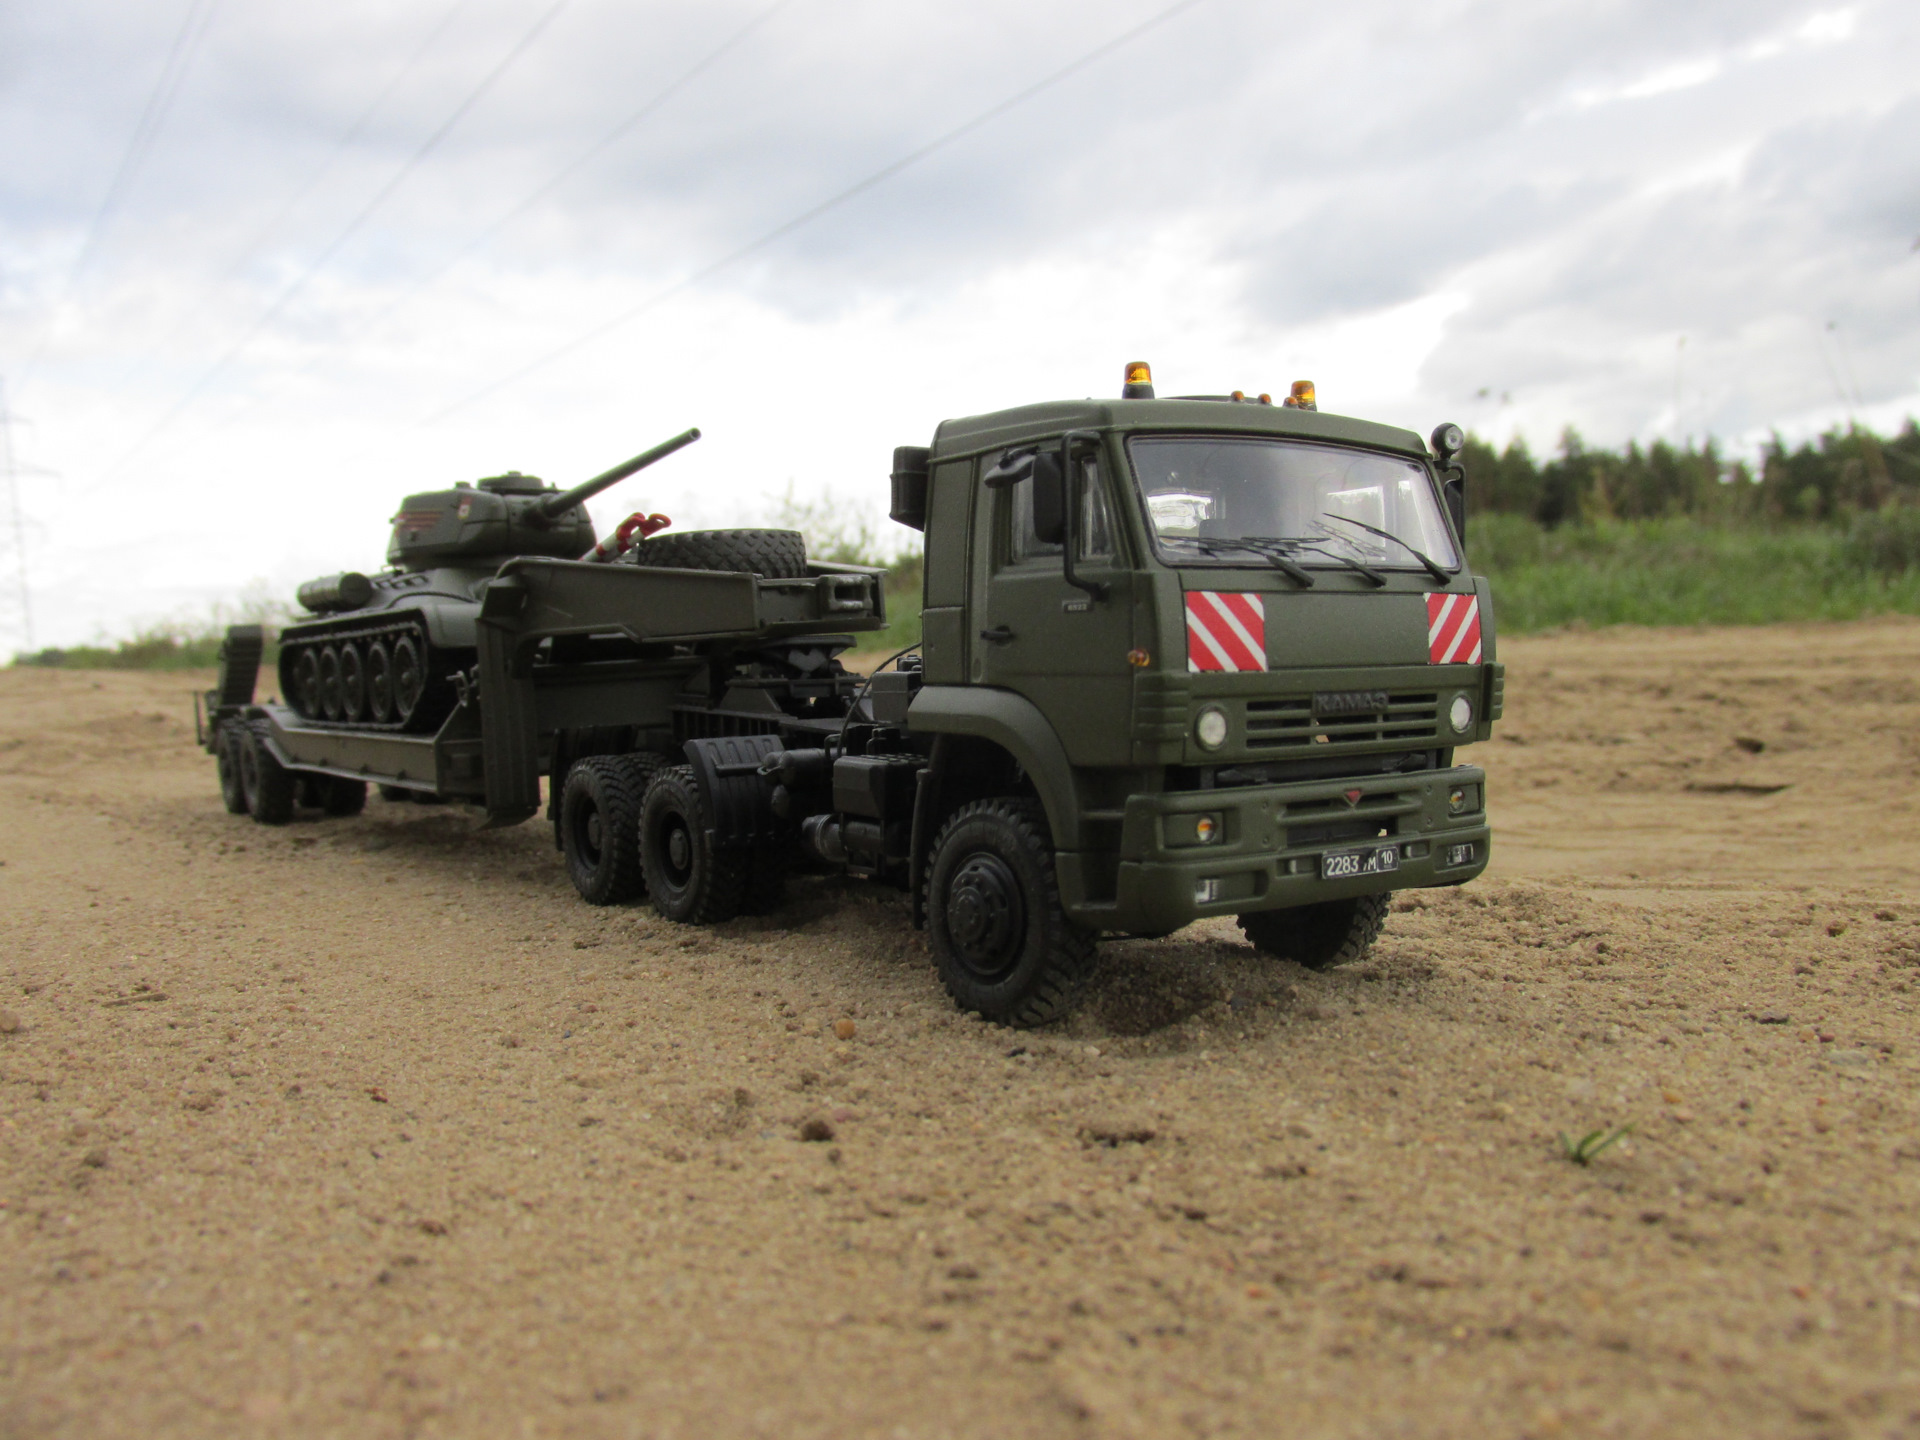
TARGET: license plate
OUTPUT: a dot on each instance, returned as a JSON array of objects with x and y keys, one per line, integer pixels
[{"x": 1344, "y": 864}]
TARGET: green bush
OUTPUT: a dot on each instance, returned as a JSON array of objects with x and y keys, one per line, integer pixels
[
  {"x": 1683, "y": 572},
  {"x": 1883, "y": 542}
]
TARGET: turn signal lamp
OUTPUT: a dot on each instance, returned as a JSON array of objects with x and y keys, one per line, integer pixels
[
  {"x": 1138, "y": 381},
  {"x": 1204, "y": 828},
  {"x": 1139, "y": 658},
  {"x": 1301, "y": 397}
]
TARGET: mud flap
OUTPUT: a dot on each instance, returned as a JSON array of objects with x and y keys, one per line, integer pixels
[
  {"x": 510, "y": 723},
  {"x": 727, "y": 769}
]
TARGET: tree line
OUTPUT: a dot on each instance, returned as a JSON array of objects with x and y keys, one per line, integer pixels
[{"x": 1842, "y": 473}]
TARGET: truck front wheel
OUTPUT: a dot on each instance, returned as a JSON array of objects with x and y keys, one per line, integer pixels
[
  {"x": 689, "y": 879},
  {"x": 1334, "y": 932},
  {"x": 1002, "y": 942}
]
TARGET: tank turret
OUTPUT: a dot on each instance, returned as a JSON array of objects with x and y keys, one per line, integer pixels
[
  {"x": 506, "y": 515},
  {"x": 382, "y": 650}
]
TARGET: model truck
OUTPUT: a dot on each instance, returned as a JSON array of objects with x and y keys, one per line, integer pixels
[{"x": 1180, "y": 658}]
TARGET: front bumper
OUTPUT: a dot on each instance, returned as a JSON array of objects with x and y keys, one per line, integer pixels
[{"x": 1269, "y": 840}]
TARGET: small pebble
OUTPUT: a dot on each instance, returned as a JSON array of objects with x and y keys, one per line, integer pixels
[
  {"x": 95, "y": 1159},
  {"x": 816, "y": 1130},
  {"x": 433, "y": 1227},
  {"x": 845, "y": 1029},
  {"x": 9, "y": 1022}
]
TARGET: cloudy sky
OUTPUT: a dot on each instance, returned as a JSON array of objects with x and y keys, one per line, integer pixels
[{"x": 266, "y": 268}]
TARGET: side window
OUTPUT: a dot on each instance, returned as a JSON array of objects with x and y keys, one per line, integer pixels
[{"x": 1092, "y": 527}]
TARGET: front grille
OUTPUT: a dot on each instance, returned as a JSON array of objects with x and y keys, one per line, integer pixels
[{"x": 1289, "y": 724}]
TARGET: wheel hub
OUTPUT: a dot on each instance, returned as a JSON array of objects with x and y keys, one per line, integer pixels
[
  {"x": 680, "y": 850},
  {"x": 593, "y": 833},
  {"x": 986, "y": 918}
]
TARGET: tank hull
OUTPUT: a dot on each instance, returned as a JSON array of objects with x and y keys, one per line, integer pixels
[{"x": 388, "y": 665}]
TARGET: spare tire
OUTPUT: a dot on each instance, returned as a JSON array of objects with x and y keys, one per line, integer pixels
[{"x": 775, "y": 554}]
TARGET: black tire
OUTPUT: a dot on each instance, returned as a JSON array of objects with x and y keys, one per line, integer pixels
[
  {"x": 340, "y": 796},
  {"x": 688, "y": 879},
  {"x": 306, "y": 683},
  {"x": 268, "y": 784},
  {"x": 409, "y": 677},
  {"x": 330, "y": 682},
  {"x": 1334, "y": 932},
  {"x": 600, "y": 827},
  {"x": 379, "y": 682},
  {"x": 1001, "y": 940},
  {"x": 226, "y": 749},
  {"x": 776, "y": 554},
  {"x": 353, "y": 683},
  {"x": 766, "y": 882}
]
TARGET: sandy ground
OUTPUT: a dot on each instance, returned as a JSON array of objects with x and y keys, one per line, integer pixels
[{"x": 369, "y": 1128}]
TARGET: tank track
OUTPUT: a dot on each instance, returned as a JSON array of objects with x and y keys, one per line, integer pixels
[{"x": 378, "y": 675}]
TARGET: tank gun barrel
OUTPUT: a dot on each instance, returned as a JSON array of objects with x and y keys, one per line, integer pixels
[{"x": 554, "y": 506}]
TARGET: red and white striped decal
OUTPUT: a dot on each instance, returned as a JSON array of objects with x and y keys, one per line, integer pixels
[
  {"x": 1226, "y": 630},
  {"x": 1453, "y": 629}
]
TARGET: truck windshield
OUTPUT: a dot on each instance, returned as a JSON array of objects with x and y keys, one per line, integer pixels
[{"x": 1230, "y": 500}]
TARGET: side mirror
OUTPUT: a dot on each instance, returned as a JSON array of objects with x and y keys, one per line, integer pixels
[{"x": 1049, "y": 501}]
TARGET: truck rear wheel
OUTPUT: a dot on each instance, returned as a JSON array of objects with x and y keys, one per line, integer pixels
[
  {"x": 341, "y": 796},
  {"x": 600, "y": 827},
  {"x": 1001, "y": 940},
  {"x": 1334, "y": 932},
  {"x": 775, "y": 554},
  {"x": 268, "y": 784},
  {"x": 227, "y": 757},
  {"x": 688, "y": 878}
]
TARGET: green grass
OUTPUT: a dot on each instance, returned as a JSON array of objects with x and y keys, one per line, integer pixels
[
  {"x": 1682, "y": 572},
  {"x": 1647, "y": 572}
]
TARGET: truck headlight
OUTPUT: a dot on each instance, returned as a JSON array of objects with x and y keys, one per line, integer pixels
[
  {"x": 1210, "y": 727},
  {"x": 1460, "y": 714}
]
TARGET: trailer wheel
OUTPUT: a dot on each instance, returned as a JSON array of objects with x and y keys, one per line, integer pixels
[
  {"x": 775, "y": 554},
  {"x": 688, "y": 879},
  {"x": 600, "y": 828},
  {"x": 1334, "y": 932},
  {"x": 227, "y": 757},
  {"x": 268, "y": 784},
  {"x": 1001, "y": 940},
  {"x": 340, "y": 796}
]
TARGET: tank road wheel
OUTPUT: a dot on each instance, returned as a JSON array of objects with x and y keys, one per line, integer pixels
[
  {"x": 268, "y": 784},
  {"x": 775, "y": 554},
  {"x": 1000, "y": 939},
  {"x": 353, "y": 683},
  {"x": 341, "y": 796},
  {"x": 1334, "y": 932},
  {"x": 379, "y": 682},
  {"x": 306, "y": 683},
  {"x": 330, "y": 682},
  {"x": 227, "y": 756},
  {"x": 600, "y": 827},
  {"x": 687, "y": 878},
  {"x": 409, "y": 677}
]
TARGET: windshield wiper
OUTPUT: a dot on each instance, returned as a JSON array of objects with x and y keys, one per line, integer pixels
[
  {"x": 1263, "y": 549},
  {"x": 1306, "y": 542},
  {"x": 1433, "y": 566}
]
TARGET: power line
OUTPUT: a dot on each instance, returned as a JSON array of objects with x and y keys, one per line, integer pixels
[
  {"x": 591, "y": 153},
  {"x": 340, "y": 147},
  {"x": 334, "y": 246},
  {"x": 193, "y": 29},
  {"x": 547, "y": 186},
  {"x": 808, "y": 216}
]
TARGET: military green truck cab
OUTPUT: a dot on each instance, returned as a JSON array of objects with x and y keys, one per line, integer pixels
[{"x": 1226, "y": 649}]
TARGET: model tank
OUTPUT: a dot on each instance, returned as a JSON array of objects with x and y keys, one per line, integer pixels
[{"x": 383, "y": 649}]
